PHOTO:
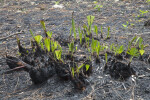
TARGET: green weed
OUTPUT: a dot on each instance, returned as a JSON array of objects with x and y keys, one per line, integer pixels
[
  {"x": 73, "y": 27},
  {"x": 106, "y": 59},
  {"x": 58, "y": 54},
  {"x": 38, "y": 38},
  {"x": 80, "y": 35},
  {"x": 133, "y": 52},
  {"x": 96, "y": 30},
  {"x": 108, "y": 32},
  {"x": 90, "y": 20},
  {"x": 71, "y": 47},
  {"x": 118, "y": 50},
  {"x": 47, "y": 44},
  {"x": 142, "y": 12},
  {"x": 98, "y": 7}
]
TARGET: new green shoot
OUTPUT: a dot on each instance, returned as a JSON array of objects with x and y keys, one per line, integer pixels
[
  {"x": 101, "y": 31},
  {"x": 80, "y": 35},
  {"x": 93, "y": 45},
  {"x": 78, "y": 68},
  {"x": 125, "y": 25},
  {"x": 73, "y": 27},
  {"x": 86, "y": 29},
  {"x": 130, "y": 43},
  {"x": 142, "y": 12},
  {"x": 133, "y": 52},
  {"x": 71, "y": 47},
  {"x": 47, "y": 44},
  {"x": 72, "y": 70},
  {"x": 118, "y": 50},
  {"x": 90, "y": 20},
  {"x": 106, "y": 59},
  {"x": 58, "y": 54},
  {"x": 108, "y": 32},
  {"x": 141, "y": 52},
  {"x": 38, "y": 38},
  {"x": 42, "y": 45},
  {"x": 87, "y": 39},
  {"x": 43, "y": 24},
  {"x": 148, "y": 1},
  {"x": 96, "y": 29},
  {"x": 53, "y": 45},
  {"x": 112, "y": 47},
  {"x": 32, "y": 33},
  {"x": 98, "y": 7},
  {"x": 87, "y": 67},
  {"x": 49, "y": 34},
  {"x": 98, "y": 48}
]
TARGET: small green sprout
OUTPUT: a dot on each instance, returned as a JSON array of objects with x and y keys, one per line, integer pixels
[
  {"x": 80, "y": 35},
  {"x": 108, "y": 32},
  {"x": 19, "y": 53},
  {"x": 71, "y": 47},
  {"x": 49, "y": 34},
  {"x": 59, "y": 47},
  {"x": 148, "y": 1},
  {"x": 98, "y": 49},
  {"x": 104, "y": 47},
  {"x": 118, "y": 50},
  {"x": 56, "y": 2},
  {"x": 90, "y": 58},
  {"x": 112, "y": 47},
  {"x": 42, "y": 45},
  {"x": 32, "y": 33},
  {"x": 137, "y": 40},
  {"x": 90, "y": 20},
  {"x": 70, "y": 31},
  {"x": 125, "y": 25},
  {"x": 101, "y": 31},
  {"x": 78, "y": 68},
  {"x": 54, "y": 45},
  {"x": 73, "y": 72},
  {"x": 141, "y": 45},
  {"x": 86, "y": 29},
  {"x": 47, "y": 44},
  {"x": 87, "y": 67},
  {"x": 98, "y": 7},
  {"x": 131, "y": 42},
  {"x": 96, "y": 30},
  {"x": 106, "y": 59},
  {"x": 87, "y": 39},
  {"x": 76, "y": 47},
  {"x": 131, "y": 24},
  {"x": 93, "y": 45},
  {"x": 142, "y": 12},
  {"x": 58, "y": 54},
  {"x": 73, "y": 27},
  {"x": 89, "y": 50},
  {"x": 38, "y": 38},
  {"x": 43, "y": 24},
  {"x": 133, "y": 52},
  {"x": 95, "y": 2},
  {"x": 141, "y": 52}
]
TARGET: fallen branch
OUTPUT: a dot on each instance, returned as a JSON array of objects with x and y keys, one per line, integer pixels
[
  {"x": 14, "y": 69},
  {"x": 3, "y": 38}
]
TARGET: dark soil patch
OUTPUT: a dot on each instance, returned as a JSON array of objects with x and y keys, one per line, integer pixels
[{"x": 40, "y": 77}]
